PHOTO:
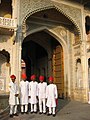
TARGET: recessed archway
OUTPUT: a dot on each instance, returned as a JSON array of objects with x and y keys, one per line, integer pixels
[
  {"x": 44, "y": 55},
  {"x": 32, "y": 53},
  {"x": 41, "y": 22}
]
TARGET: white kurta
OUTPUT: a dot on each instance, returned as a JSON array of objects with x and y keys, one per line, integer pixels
[
  {"x": 24, "y": 92},
  {"x": 42, "y": 90},
  {"x": 13, "y": 88},
  {"x": 33, "y": 92},
  {"x": 51, "y": 94}
]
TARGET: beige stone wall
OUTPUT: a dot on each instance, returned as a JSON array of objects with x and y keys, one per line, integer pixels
[{"x": 72, "y": 49}]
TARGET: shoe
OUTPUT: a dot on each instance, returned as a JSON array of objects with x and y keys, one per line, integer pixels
[
  {"x": 11, "y": 116},
  {"x": 15, "y": 114},
  {"x": 48, "y": 114},
  {"x": 26, "y": 112},
  {"x": 44, "y": 112},
  {"x": 35, "y": 112},
  {"x": 40, "y": 112},
  {"x": 54, "y": 115},
  {"x": 31, "y": 112},
  {"x": 22, "y": 112}
]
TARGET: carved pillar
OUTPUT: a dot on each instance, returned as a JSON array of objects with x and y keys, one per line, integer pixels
[
  {"x": 19, "y": 47},
  {"x": 16, "y": 56}
]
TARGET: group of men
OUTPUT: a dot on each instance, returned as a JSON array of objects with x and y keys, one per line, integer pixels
[{"x": 32, "y": 92}]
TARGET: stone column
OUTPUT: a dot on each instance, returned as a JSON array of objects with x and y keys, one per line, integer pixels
[
  {"x": 84, "y": 59},
  {"x": 16, "y": 55}
]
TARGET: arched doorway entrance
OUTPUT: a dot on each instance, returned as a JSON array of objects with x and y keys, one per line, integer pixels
[
  {"x": 4, "y": 70},
  {"x": 43, "y": 55},
  {"x": 35, "y": 57},
  {"x": 57, "y": 35}
]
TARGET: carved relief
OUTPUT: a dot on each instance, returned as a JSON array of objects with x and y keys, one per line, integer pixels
[
  {"x": 77, "y": 51},
  {"x": 72, "y": 12},
  {"x": 29, "y": 6},
  {"x": 32, "y": 6},
  {"x": 61, "y": 31},
  {"x": 5, "y": 43}
]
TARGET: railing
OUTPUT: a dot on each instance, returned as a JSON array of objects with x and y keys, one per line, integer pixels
[{"x": 7, "y": 22}]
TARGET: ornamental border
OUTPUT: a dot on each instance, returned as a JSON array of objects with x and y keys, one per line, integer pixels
[{"x": 50, "y": 7}]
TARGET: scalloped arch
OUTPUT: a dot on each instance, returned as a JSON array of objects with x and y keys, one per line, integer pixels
[{"x": 50, "y": 7}]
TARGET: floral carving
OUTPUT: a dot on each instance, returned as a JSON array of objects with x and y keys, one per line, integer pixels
[
  {"x": 72, "y": 12},
  {"x": 29, "y": 7}
]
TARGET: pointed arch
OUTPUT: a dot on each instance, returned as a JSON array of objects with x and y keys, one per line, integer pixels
[{"x": 51, "y": 7}]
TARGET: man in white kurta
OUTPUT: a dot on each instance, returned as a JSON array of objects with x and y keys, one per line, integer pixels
[
  {"x": 51, "y": 95},
  {"x": 24, "y": 93},
  {"x": 42, "y": 95},
  {"x": 33, "y": 94},
  {"x": 13, "y": 97}
]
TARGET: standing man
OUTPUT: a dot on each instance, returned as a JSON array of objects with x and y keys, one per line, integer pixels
[
  {"x": 24, "y": 92},
  {"x": 33, "y": 93},
  {"x": 42, "y": 95},
  {"x": 51, "y": 95},
  {"x": 13, "y": 97}
]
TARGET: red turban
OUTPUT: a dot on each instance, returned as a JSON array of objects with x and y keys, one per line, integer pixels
[
  {"x": 24, "y": 76},
  {"x": 41, "y": 77},
  {"x": 33, "y": 77},
  {"x": 13, "y": 77},
  {"x": 51, "y": 78}
]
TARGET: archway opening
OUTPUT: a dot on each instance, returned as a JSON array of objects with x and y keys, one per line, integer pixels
[
  {"x": 44, "y": 28},
  {"x": 46, "y": 18},
  {"x": 4, "y": 64},
  {"x": 33, "y": 54},
  {"x": 87, "y": 24},
  {"x": 43, "y": 55}
]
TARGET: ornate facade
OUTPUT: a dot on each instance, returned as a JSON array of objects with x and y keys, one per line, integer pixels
[{"x": 52, "y": 38}]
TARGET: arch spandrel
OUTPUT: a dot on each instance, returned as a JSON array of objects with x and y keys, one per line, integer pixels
[{"x": 29, "y": 7}]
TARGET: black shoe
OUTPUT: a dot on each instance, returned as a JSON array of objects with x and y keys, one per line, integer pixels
[
  {"x": 54, "y": 115},
  {"x": 11, "y": 116},
  {"x": 15, "y": 114},
  {"x": 26, "y": 112},
  {"x": 48, "y": 114},
  {"x": 31, "y": 112},
  {"x": 35, "y": 112},
  {"x": 44, "y": 112},
  {"x": 22, "y": 112},
  {"x": 40, "y": 112}
]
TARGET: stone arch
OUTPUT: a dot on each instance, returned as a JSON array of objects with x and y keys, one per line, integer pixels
[
  {"x": 78, "y": 73},
  {"x": 78, "y": 60},
  {"x": 52, "y": 33},
  {"x": 87, "y": 21},
  {"x": 50, "y": 7},
  {"x": 65, "y": 51},
  {"x": 6, "y": 54}
]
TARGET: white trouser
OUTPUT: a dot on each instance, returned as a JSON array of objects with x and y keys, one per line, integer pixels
[
  {"x": 34, "y": 107},
  {"x": 13, "y": 109},
  {"x": 42, "y": 105},
  {"x": 52, "y": 110},
  {"x": 26, "y": 108}
]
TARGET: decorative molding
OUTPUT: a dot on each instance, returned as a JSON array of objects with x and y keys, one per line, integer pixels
[
  {"x": 29, "y": 7},
  {"x": 61, "y": 31},
  {"x": 73, "y": 14}
]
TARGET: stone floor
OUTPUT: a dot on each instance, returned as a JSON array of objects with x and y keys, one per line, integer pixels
[{"x": 67, "y": 110}]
